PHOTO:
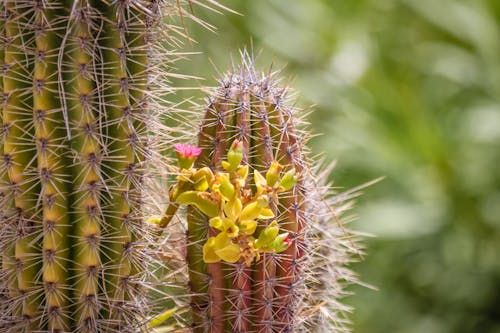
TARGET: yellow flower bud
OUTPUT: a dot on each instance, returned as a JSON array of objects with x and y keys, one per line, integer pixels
[
  {"x": 266, "y": 214},
  {"x": 273, "y": 173},
  {"x": 217, "y": 223},
  {"x": 202, "y": 178},
  {"x": 251, "y": 211},
  {"x": 242, "y": 172}
]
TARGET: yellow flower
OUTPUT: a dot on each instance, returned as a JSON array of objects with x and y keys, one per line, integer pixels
[{"x": 225, "y": 249}]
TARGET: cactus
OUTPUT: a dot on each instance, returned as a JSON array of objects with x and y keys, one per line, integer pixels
[
  {"x": 78, "y": 158},
  {"x": 253, "y": 152}
]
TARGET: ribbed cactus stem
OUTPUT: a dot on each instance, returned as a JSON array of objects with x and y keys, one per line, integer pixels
[
  {"x": 87, "y": 177},
  {"x": 217, "y": 278},
  {"x": 19, "y": 157},
  {"x": 122, "y": 158},
  {"x": 265, "y": 270},
  {"x": 243, "y": 110},
  {"x": 292, "y": 210},
  {"x": 77, "y": 163},
  {"x": 52, "y": 165},
  {"x": 197, "y": 233},
  {"x": 261, "y": 234},
  {"x": 241, "y": 281},
  {"x": 8, "y": 282}
]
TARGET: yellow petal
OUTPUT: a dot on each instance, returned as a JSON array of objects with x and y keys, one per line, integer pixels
[
  {"x": 221, "y": 241},
  {"x": 266, "y": 213},
  {"x": 260, "y": 182},
  {"x": 248, "y": 227},
  {"x": 226, "y": 165},
  {"x": 217, "y": 223},
  {"x": 230, "y": 253},
  {"x": 242, "y": 172},
  {"x": 233, "y": 208},
  {"x": 251, "y": 211},
  {"x": 225, "y": 188},
  {"x": 232, "y": 231},
  {"x": 209, "y": 255}
]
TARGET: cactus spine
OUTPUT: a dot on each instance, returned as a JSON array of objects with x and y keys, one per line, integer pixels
[
  {"x": 77, "y": 156},
  {"x": 256, "y": 282}
]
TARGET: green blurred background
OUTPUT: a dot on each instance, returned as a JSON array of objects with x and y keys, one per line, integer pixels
[{"x": 409, "y": 90}]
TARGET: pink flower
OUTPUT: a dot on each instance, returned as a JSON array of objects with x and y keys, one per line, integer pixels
[
  {"x": 186, "y": 154},
  {"x": 187, "y": 150}
]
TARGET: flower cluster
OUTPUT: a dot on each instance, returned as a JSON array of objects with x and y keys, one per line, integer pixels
[{"x": 241, "y": 213}]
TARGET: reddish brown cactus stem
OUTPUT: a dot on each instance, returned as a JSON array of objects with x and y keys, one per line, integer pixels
[
  {"x": 215, "y": 143},
  {"x": 272, "y": 294},
  {"x": 197, "y": 225},
  {"x": 217, "y": 285},
  {"x": 291, "y": 219},
  {"x": 241, "y": 282},
  {"x": 265, "y": 270}
]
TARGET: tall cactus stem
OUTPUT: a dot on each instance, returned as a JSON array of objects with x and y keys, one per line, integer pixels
[
  {"x": 118, "y": 157},
  {"x": 52, "y": 165},
  {"x": 87, "y": 177},
  {"x": 19, "y": 158}
]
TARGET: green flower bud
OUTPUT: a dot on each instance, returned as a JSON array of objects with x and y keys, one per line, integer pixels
[
  {"x": 267, "y": 236},
  {"x": 281, "y": 243},
  {"x": 223, "y": 186},
  {"x": 234, "y": 156},
  {"x": 289, "y": 180}
]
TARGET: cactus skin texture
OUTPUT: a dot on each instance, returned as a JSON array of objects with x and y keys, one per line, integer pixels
[
  {"x": 299, "y": 289},
  {"x": 78, "y": 159}
]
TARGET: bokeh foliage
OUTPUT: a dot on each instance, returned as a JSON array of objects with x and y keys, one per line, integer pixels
[{"x": 409, "y": 90}]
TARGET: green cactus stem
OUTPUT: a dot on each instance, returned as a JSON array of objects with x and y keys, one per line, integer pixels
[
  {"x": 20, "y": 163},
  {"x": 78, "y": 160}
]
